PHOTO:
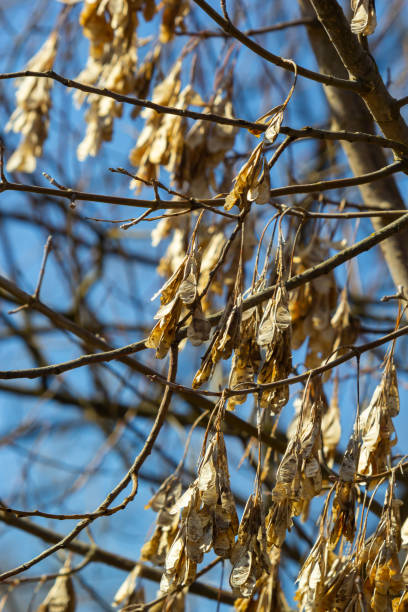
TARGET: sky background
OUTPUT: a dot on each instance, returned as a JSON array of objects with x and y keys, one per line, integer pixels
[{"x": 42, "y": 466}]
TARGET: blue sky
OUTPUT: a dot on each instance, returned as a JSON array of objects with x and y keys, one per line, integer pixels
[{"x": 125, "y": 293}]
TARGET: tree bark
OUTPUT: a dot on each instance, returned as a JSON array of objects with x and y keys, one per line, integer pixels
[{"x": 349, "y": 112}]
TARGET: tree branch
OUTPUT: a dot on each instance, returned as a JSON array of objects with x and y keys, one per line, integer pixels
[
  {"x": 141, "y": 103},
  {"x": 361, "y": 66},
  {"x": 310, "y": 132},
  {"x": 100, "y": 555},
  {"x": 306, "y": 132},
  {"x": 354, "y": 352},
  {"x": 194, "y": 204},
  {"x": 283, "y": 25},
  {"x": 228, "y": 27},
  {"x": 131, "y": 476},
  {"x": 295, "y": 281},
  {"x": 199, "y": 402},
  {"x": 323, "y": 268},
  {"x": 349, "y": 112}
]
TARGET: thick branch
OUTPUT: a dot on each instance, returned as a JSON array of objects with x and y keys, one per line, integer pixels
[
  {"x": 228, "y": 27},
  {"x": 361, "y": 66},
  {"x": 349, "y": 112}
]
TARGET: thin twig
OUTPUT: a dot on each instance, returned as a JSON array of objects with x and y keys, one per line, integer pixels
[
  {"x": 223, "y": 4},
  {"x": 133, "y": 222},
  {"x": 108, "y": 558},
  {"x": 399, "y": 295},
  {"x": 47, "y": 249},
  {"x": 310, "y": 132},
  {"x": 298, "y": 211},
  {"x": 283, "y": 25},
  {"x": 36, "y": 295},
  {"x": 195, "y": 204},
  {"x": 181, "y": 196},
  {"x": 131, "y": 476},
  {"x": 64, "y": 572},
  {"x": 2, "y": 175}
]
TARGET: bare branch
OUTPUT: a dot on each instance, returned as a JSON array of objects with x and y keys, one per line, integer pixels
[
  {"x": 100, "y": 555},
  {"x": 360, "y": 64},
  {"x": 131, "y": 476},
  {"x": 295, "y": 281},
  {"x": 283, "y": 25},
  {"x": 228, "y": 27},
  {"x": 196, "y": 204}
]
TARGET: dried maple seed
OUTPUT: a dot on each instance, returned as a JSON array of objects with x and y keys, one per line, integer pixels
[
  {"x": 156, "y": 549},
  {"x": 364, "y": 19},
  {"x": 30, "y": 118},
  {"x": 249, "y": 558},
  {"x": 377, "y": 429}
]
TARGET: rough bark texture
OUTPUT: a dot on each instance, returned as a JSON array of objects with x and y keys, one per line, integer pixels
[{"x": 349, "y": 112}]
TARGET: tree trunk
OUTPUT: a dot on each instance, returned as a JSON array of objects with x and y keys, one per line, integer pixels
[{"x": 349, "y": 112}]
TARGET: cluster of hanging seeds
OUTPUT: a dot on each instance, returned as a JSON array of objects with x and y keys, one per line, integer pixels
[
  {"x": 208, "y": 519},
  {"x": 247, "y": 334},
  {"x": 257, "y": 343}
]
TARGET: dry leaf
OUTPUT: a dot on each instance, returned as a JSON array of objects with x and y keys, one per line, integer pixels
[
  {"x": 247, "y": 357},
  {"x": 299, "y": 477},
  {"x": 274, "y": 333},
  {"x": 331, "y": 426},
  {"x": 364, "y": 19},
  {"x": 127, "y": 593},
  {"x": 162, "y": 335},
  {"x": 205, "y": 147},
  {"x": 260, "y": 192},
  {"x": 173, "y": 13},
  {"x": 111, "y": 26},
  {"x": 249, "y": 559},
  {"x": 199, "y": 329},
  {"x": 342, "y": 586},
  {"x": 208, "y": 518},
  {"x": 274, "y": 125},
  {"x": 384, "y": 580},
  {"x": 343, "y": 512},
  {"x": 61, "y": 597},
  {"x": 164, "y": 503},
  {"x": 30, "y": 117},
  {"x": 246, "y": 179},
  {"x": 188, "y": 288},
  {"x": 377, "y": 429},
  {"x": 312, "y": 305},
  {"x": 311, "y": 578},
  {"x": 267, "y": 594},
  {"x": 216, "y": 497},
  {"x": 224, "y": 340}
]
